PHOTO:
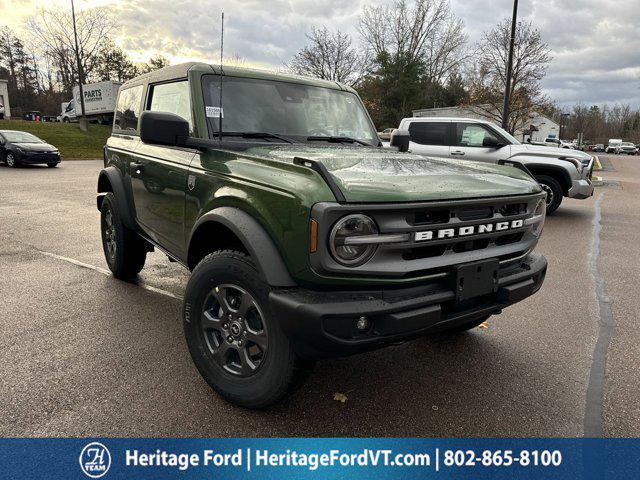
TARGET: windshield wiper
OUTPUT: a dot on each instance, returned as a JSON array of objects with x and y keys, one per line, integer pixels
[
  {"x": 255, "y": 135},
  {"x": 336, "y": 139}
]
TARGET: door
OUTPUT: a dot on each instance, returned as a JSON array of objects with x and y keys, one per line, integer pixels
[
  {"x": 430, "y": 138},
  {"x": 468, "y": 143},
  {"x": 159, "y": 173}
]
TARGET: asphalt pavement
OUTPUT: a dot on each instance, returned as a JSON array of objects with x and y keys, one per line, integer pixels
[{"x": 84, "y": 354}]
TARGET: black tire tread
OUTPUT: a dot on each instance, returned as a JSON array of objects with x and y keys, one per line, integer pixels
[
  {"x": 131, "y": 251},
  {"x": 557, "y": 191},
  {"x": 297, "y": 370}
]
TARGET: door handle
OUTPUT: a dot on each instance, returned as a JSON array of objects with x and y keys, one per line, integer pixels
[
  {"x": 137, "y": 168},
  {"x": 457, "y": 152}
]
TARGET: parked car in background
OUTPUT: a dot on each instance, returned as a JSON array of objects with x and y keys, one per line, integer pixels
[
  {"x": 22, "y": 148},
  {"x": 628, "y": 148},
  {"x": 560, "y": 172},
  {"x": 32, "y": 116},
  {"x": 385, "y": 135},
  {"x": 598, "y": 147},
  {"x": 613, "y": 146},
  {"x": 556, "y": 142},
  {"x": 99, "y": 103}
]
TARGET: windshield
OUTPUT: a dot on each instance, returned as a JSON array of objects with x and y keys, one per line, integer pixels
[
  {"x": 21, "y": 137},
  {"x": 287, "y": 109},
  {"x": 510, "y": 138}
]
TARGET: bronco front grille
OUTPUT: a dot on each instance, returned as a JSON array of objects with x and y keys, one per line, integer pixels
[{"x": 437, "y": 235}]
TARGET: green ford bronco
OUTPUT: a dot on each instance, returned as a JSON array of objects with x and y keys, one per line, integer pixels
[{"x": 305, "y": 238}]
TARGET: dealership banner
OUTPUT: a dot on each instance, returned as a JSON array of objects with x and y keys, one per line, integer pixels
[{"x": 325, "y": 458}]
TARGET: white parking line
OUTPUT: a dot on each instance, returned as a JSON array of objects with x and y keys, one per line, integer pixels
[{"x": 78, "y": 263}]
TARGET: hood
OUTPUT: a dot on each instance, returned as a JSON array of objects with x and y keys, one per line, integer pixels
[
  {"x": 543, "y": 151},
  {"x": 36, "y": 147},
  {"x": 380, "y": 175}
]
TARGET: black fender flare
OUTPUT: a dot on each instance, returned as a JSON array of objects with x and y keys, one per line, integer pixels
[
  {"x": 256, "y": 240},
  {"x": 114, "y": 177},
  {"x": 518, "y": 165},
  {"x": 561, "y": 172}
]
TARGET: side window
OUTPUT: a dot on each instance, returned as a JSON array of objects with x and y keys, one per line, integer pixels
[
  {"x": 128, "y": 109},
  {"x": 471, "y": 134},
  {"x": 429, "y": 133},
  {"x": 173, "y": 98}
]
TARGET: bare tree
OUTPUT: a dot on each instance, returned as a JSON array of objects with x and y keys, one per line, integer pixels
[
  {"x": 112, "y": 63},
  {"x": 427, "y": 32},
  {"x": 54, "y": 29},
  {"x": 235, "y": 60},
  {"x": 531, "y": 58},
  {"x": 155, "y": 63},
  {"x": 329, "y": 55}
]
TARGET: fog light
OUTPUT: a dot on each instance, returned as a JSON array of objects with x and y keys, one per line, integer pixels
[{"x": 363, "y": 324}]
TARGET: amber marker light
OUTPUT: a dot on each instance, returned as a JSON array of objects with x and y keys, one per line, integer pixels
[{"x": 313, "y": 236}]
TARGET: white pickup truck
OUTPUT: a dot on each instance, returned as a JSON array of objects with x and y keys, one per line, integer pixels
[
  {"x": 556, "y": 142},
  {"x": 99, "y": 103},
  {"x": 561, "y": 172}
]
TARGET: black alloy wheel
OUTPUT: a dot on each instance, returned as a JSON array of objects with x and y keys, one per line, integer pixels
[
  {"x": 110, "y": 240},
  {"x": 234, "y": 331}
]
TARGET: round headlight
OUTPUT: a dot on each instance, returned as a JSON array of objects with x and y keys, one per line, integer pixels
[{"x": 345, "y": 252}]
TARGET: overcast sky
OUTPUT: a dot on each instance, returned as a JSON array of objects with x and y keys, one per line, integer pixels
[{"x": 595, "y": 43}]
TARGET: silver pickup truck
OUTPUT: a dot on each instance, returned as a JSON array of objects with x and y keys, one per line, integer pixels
[{"x": 561, "y": 172}]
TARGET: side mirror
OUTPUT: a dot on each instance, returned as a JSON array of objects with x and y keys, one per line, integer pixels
[
  {"x": 400, "y": 139},
  {"x": 491, "y": 142},
  {"x": 162, "y": 128}
]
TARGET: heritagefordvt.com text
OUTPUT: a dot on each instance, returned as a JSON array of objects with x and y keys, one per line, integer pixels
[{"x": 250, "y": 458}]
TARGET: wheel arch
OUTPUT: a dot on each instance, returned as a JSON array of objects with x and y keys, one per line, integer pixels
[
  {"x": 110, "y": 180},
  {"x": 231, "y": 227},
  {"x": 559, "y": 173}
]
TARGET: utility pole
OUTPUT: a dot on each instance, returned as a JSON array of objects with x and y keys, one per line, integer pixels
[
  {"x": 82, "y": 121},
  {"x": 507, "y": 87}
]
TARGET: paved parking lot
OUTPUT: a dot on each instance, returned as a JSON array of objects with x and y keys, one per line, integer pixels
[{"x": 84, "y": 354}]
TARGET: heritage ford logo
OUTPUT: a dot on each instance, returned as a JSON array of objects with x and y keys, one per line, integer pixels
[
  {"x": 95, "y": 460},
  {"x": 467, "y": 230}
]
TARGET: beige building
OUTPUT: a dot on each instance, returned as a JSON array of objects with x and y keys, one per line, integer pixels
[{"x": 4, "y": 98}]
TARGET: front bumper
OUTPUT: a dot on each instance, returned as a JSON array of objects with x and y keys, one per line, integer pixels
[
  {"x": 582, "y": 188},
  {"x": 28, "y": 158},
  {"x": 322, "y": 324}
]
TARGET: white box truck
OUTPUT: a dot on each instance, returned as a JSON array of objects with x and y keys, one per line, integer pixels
[{"x": 99, "y": 102}]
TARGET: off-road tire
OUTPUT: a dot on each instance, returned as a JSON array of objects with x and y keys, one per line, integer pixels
[
  {"x": 52, "y": 165},
  {"x": 280, "y": 369},
  {"x": 130, "y": 249},
  {"x": 554, "y": 192}
]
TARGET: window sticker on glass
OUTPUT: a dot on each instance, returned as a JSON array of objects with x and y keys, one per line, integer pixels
[{"x": 215, "y": 112}]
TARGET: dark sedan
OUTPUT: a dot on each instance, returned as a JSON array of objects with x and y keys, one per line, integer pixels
[{"x": 22, "y": 148}]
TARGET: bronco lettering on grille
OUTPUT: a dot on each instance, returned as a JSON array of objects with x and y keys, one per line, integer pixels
[{"x": 467, "y": 230}]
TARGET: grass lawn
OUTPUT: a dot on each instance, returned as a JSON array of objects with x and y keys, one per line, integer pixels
[{"x": 67, "y": 137}]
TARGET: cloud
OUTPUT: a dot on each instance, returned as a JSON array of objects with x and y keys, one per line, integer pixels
[{"x": 594, "y": 42}]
